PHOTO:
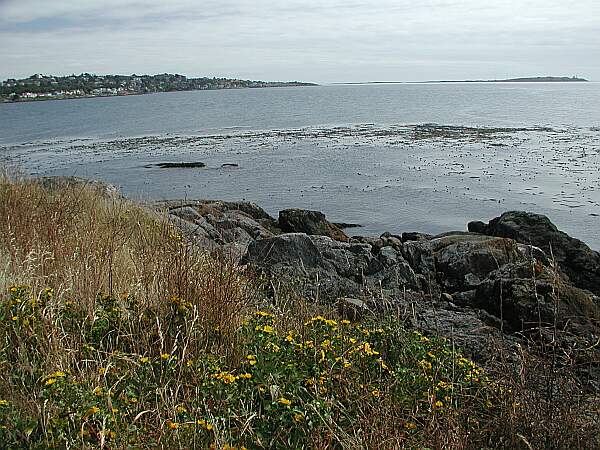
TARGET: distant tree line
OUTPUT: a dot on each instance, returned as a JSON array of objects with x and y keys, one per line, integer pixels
[{"x": 92, "y": 84}]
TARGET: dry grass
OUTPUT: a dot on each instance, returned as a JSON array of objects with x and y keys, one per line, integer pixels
[{"x": 82, "y": 243}]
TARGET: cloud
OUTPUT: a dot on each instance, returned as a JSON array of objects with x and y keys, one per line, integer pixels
[{"x": 326, "y": 40}]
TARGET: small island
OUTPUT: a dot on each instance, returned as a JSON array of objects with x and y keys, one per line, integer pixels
[
  {"x": 47, "y": 87},
  {"x": 547, "y": 79}
]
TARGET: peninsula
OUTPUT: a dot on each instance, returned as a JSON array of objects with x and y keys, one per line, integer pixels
[{"x": 48, "y": 87}]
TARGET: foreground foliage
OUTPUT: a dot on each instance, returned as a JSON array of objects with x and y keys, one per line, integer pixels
[{"x": 284, "y": 388}]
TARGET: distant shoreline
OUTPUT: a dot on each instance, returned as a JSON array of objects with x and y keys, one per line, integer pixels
[
  {"x": 508, "y": 80},
  {"x": 130, "y": 94},
  {"x": 40, "y": 87}
]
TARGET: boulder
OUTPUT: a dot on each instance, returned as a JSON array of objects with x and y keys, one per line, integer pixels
[
  {"x": 333, "y": 269},
  {"x": 458, "y": 262},
  {"x": 309, "y": 222},
  {"x": 580, "y": 263},
  {"x": 531, "y": 296},
  {"x": 230, "y": 226},
  {"x": 474, "y": 332},
  {"x": 415, "y": 236}
]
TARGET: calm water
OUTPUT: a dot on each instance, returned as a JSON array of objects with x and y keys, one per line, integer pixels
[{"x": 357, "y": 153}]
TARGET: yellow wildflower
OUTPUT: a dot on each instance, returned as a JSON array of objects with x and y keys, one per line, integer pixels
[
  {"x": 225, "y": 377},
  {"x": 426, "y": 365},
  {"x": 274, "y": 347},
  {"x": 368, "y": 350},
  {"x": 165, "y": 356},
  {"x": 376, "y": 393},
  {"x": 438, "y": 404},
  {"x": 93, "y": 410},
  {"x": 144, "y": 359},
  {"x": 14, "y": 318},
  {"x": 410, "y": 425},
  {"x": 263, "y": 314},
  {"x": 101, "y": 370},
  {"x": 181, "y": 409},
  {"x": 98, "y": 391},
  {"x": 251, "y": 359},
  {"x": 3, "y": 403},
  {"x": 298, "y": 417},
  {"x": 382, "y": 364},
  {"x": 284, "y": 401},
  {"x": 172, "y": 425},
  {"x": 50, "y": 381}
]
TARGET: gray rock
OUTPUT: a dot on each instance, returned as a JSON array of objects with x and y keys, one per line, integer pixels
[
  {"x": 527, "y": 296},
  {"x": 455, "y": 262},
  {"x": 333, "y": 268},
  {"x": 471, "y": 281},
  {"x": 414, "y": 236},
  {"x": 577, "y": 260},
  {"x": 467, "y": 329},
  {"x": 309, "y": 222}
]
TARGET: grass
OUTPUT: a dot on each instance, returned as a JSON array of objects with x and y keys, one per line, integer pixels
[{"x": 117, "y": 333}]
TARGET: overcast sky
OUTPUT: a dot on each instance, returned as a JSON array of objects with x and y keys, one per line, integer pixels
[{"x": 309, "y": 40}]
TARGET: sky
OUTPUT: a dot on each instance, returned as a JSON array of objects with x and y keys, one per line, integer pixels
[{"x": 321, "y": 41}]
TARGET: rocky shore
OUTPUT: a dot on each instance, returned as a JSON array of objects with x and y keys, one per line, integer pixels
[
  {"x": 514, "y": 282},
  {"x": 502, "y": 284}
]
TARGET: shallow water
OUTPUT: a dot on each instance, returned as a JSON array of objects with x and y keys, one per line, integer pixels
[{"x": 353, "y": 152}]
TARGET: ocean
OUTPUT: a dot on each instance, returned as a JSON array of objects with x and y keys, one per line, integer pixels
[{"x": 390, "y": 157}]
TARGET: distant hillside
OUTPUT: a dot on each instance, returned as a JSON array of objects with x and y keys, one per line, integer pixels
[{"x": 48, "y": 87}]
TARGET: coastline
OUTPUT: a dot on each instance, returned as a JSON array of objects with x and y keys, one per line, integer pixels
[{"x": 44, "y": 99}]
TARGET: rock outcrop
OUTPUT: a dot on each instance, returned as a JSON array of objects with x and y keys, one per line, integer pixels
[
  {"x": 580, "y": 263},
  {"x": 309, "y": 222},
  {"x": 219, "y": 225},
  {"x": 489, "y": 287}
]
